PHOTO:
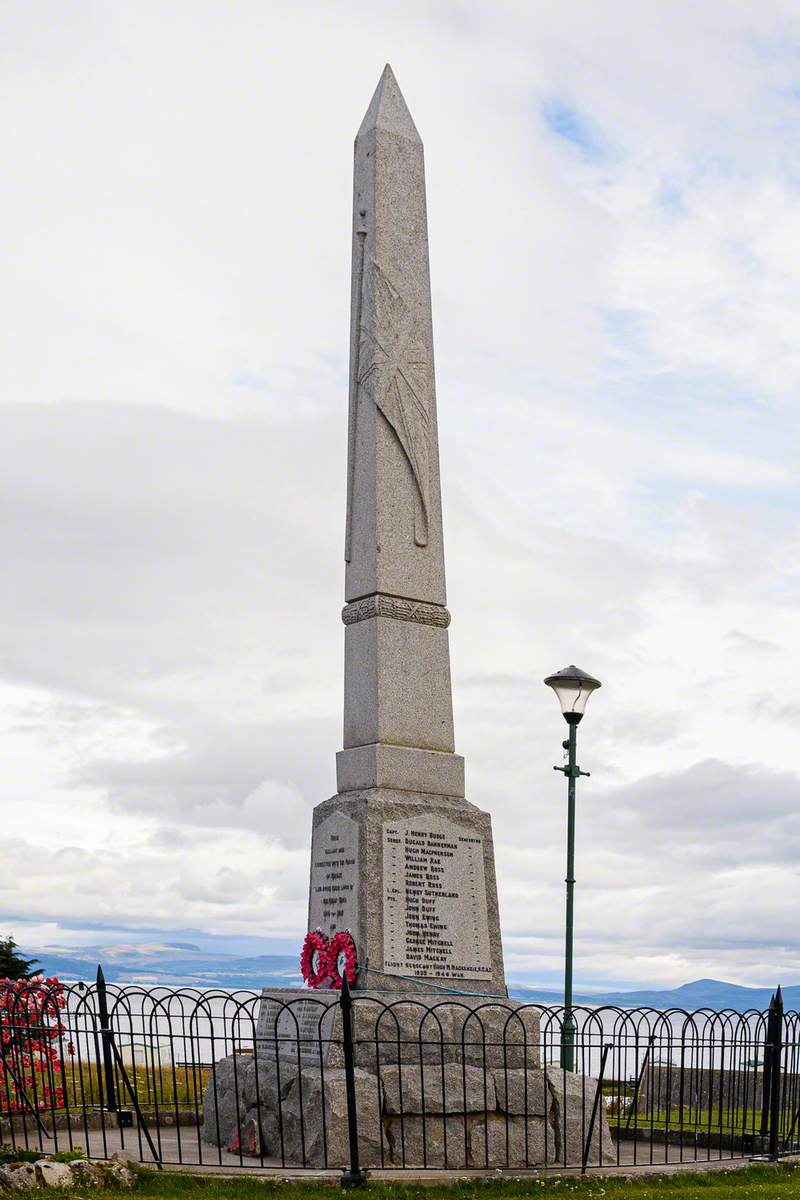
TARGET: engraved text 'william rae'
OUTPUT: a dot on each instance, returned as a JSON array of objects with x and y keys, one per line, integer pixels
[{"x": 435, "y": 921}]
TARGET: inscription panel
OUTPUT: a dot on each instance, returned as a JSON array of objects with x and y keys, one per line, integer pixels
[
  {"x": 435, "y": 921},
  {"x": 333, "y": 896},
  {"x": 288, "y": 1028}
]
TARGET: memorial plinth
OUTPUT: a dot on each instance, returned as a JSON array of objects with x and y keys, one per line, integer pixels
[{"x": 412, "y": 877}]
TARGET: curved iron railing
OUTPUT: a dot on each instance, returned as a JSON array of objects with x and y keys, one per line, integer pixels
[{"x": 231, "y": 1078}]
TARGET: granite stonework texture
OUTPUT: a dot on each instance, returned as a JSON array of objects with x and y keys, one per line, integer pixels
[
  {"x": 438, "y": 1114},
  {"x": 397, "y": 693},
  {"x": 374, "y": 809},
  {"x": 439, "y": 922},
  {"x": 411, "y": 1027},
  {"x": 440, "y": 1081}
]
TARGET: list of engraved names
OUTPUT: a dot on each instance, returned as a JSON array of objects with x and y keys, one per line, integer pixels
[{"x": 435, "y": 922}]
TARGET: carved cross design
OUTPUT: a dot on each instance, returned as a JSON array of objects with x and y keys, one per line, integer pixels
[{"x": 392, "y": 371}]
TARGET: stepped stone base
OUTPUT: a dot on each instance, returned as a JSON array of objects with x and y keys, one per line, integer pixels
[{"x": 440, "y": 1081}]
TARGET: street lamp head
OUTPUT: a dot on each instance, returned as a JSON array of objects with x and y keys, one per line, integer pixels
[{"x": 572, "y": 687}]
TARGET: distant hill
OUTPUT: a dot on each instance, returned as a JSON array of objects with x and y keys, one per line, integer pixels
[
  {"x": 702, "y": 993},
  {"x": 181, "y": 964},
  {"x": 178, "y": 964}
]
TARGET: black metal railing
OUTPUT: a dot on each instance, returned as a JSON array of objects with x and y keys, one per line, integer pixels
[{"x": 363, "y": 1081}]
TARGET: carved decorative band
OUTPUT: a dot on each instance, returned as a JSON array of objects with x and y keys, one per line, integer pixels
[{"x": 380, "y": 605}]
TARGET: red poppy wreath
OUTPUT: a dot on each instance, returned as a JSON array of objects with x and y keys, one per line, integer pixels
[
  {"x": 342, "y": 961},
  {"x": 314, "y": 959}
]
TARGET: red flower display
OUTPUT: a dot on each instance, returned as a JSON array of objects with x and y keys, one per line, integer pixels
[
  {"x": 314, "y": 961},
  {"x": 30, "y": 1035},
  {"x": 342, "y": 958}
]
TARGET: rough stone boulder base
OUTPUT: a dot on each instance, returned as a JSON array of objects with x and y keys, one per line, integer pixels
[
  {"x": 438, "y": 1113},
  {"x": 506, "y": 1141},
  {"x": 54, "y": 1174},
  {"x": 268, "y": 1122},
  {"x": 522, "y": 1093},
  {"x": 264, "y": 1078},
  {"x": 44, "y": 1173},
  {"x": 448, "y": 1088},
  {"x": 18, "y": 1177},
  {"x": 573, "y": 1098},
  {"x": 432, "y": 1141},
  {"x": 224, "y": 1106},
  {"x": 315, "y": 1130}
]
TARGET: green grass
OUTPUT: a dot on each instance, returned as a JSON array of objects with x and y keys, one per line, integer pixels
[
  {"x": 692, "y": 1120},
  {"x": 181, "y": 1087},
  {"x": 762, "y": 1182},
  {"x": 733, "y": 1121}
]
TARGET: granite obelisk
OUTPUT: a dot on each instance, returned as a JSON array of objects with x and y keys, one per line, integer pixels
[{"x": 399, "y": 857}]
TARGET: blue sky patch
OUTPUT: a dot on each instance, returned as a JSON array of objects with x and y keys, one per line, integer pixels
[{"x": 575, "y": 127}]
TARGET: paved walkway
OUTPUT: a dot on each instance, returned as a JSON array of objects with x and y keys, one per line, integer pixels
[{"x": 181, "y": 1149}]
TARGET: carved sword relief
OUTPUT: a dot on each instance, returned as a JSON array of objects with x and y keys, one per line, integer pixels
[
  {"x": 361, "y": 234},
  {"x": 392, "y": 371}
]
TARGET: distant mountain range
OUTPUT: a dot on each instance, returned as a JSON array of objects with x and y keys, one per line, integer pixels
[
  {"x": 172, "y": 964},
  {"x": 702, "y": 993},
  {"x": 181, "y": 964}
]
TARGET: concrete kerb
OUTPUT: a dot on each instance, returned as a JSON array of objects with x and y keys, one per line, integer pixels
[{"x": 627, "y": 1171}]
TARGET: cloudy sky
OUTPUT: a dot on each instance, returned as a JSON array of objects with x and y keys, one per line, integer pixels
[{"x": 614, "y": 206}]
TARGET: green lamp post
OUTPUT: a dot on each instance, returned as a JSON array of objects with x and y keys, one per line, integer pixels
[{"x": 573, "y": 688}]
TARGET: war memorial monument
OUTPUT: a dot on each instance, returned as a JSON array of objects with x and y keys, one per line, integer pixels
[
  {"x": 402, "y": 864},
  {"x": 417, "y": 885}
]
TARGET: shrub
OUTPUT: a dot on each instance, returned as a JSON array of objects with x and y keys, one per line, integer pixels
[
  {"x": 18, "y": 1154},
  {"x": 12, "y": 964},
  {"x": 31, "y": 1032},
  {"x": 67, "y": 1156}
]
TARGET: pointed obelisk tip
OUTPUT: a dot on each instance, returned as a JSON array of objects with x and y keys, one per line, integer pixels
[{"x": 388, "y": 110}]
